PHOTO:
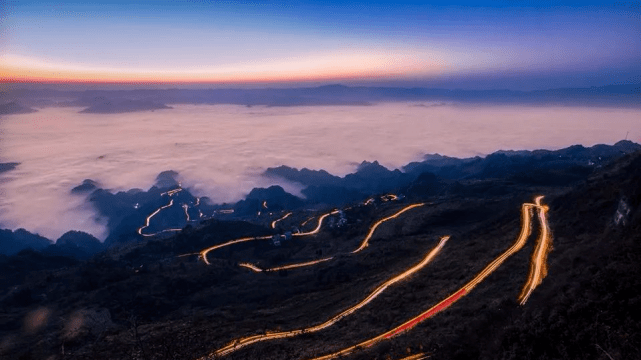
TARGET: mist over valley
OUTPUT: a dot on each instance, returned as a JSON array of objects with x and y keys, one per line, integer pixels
[{"x": 221, "y": 151}]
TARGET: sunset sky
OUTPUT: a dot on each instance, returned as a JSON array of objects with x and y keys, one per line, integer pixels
[{"x": 497, "y": 44}]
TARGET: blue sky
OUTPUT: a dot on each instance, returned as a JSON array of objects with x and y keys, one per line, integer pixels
[{"x": 500, "y": 44}]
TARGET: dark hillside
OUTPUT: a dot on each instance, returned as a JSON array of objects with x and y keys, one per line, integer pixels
[
  {"x": 156, "y": 299},
  {"x": 587, "y": 307}
]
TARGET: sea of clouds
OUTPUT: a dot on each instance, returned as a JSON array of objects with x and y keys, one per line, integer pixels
[{"x": 221, "y": 150}]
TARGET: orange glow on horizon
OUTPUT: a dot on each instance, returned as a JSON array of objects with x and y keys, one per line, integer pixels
[{"x": 324, "y": 67}]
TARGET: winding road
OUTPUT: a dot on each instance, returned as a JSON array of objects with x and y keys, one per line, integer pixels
[
  {"x": 538, "y": 264},
  {"x": 363, "y": 245},
  {"x": 203, "y": 253},
  {"x": 242, "y": 342},
  {"x": 140, "y": 229},
  {"x": 279, "y": 220},
  {"x": 185, "y": 207},
  {"x": 526, "y": 229},
  {"x": 538, "y": 271}
]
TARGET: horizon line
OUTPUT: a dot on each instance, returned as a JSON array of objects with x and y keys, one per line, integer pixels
[{"x": 158, "y": 85}]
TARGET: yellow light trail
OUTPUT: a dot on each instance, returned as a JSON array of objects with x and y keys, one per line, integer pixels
[
  {"x": 419, "y": 356},
  {"x": 538, "y": 264},
  {"x": 256, "y": 268},
  {"x": 361, "y": 247},
  {"x": 318, "y": 227},
  {"x": 172, "y": 192},
  {"x": 279, "y": 220},
  {"x": 189, "y": 254},
  {"x": 526, "y": 230},
  {"x": 306, "y": 221},
  {"x": 203, "y": 253},
  {"x": 297, "y": 265},
  {"x": 365, "y": 242},
  {"x": 140, "y": 229},
  {"x": 389, "y": 197},
  {"x": 250, "y": 266},
  {"x": 241, "y": 343}
]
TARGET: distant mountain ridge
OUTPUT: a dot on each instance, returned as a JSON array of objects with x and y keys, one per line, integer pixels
[
  {"x": 8, "y": 166},
  {"x": 118, "y": 101},
  {"x": 117, "y": 106},
  {"x": 551, "y": 166},
  {"x": 76, "y": 244},
  {"x": 436, "y": 175},
  {"x": 14, "y": 108},
  {"x": 589, "y": 297},
  {"x": 12, "y": 242}
]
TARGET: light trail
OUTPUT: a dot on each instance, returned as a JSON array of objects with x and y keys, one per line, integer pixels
[
  {"x": 389, "y": 197},
  {"x": 140, "y": 229},
  {"x": 172, "y": 192},
  {"x": 419, "y": 356},
  {"x": 189, "y": 254},
  {"x": 265, "y": 204},
  {"x": 362, "y": 246},
  {"x": 241, "y": 343},
  {"x": 538, "y": 264},
  {"x": 318, "y": 227},
  {"x": 279, "y": 220},
  {"x": 365, "y": 242},
  {"x": 251, "y": 267},
  {"x": 163, "y": 231},
  {"x": 526, "y": 230},
  {"x": 203, "y": 253},
  {"x": 293, "y": 266},
  {"x": 185, "y": 207},
  {"x": 256, "y": 268},
  {"x": 197, "y": 201},
  {"x": 306, "y": 221},
  {"x": 369, "y": 201}
]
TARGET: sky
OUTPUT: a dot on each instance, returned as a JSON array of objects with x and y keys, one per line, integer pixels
[{"x": 521, "y": 45}]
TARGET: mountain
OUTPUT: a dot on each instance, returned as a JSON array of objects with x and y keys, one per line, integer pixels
[
  {"x": 303, "y": 176},
  {"x": 87, "y": 186},
  {"x": 126, "y": 211},
  {"x": 8, "y": 166},
  {"x": 115, "y": 101},
  {"x": 500, "y": 163},
  {"x": 124, "y": 106},
  {"x": 274, "y": 198},
  {"x": 438, "y": 174},
  {"x": 370, "y": 177},
  {"x": 497, "y": 174},
  {"x": 14, "y": 108},
  {"x": 12, "y": 242},
  {"x": 167, "y": 179},
  {"x": 587, "y": 307},
  {"x": 76, "y": 244},
  {"x": 161, "y": 300}
]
